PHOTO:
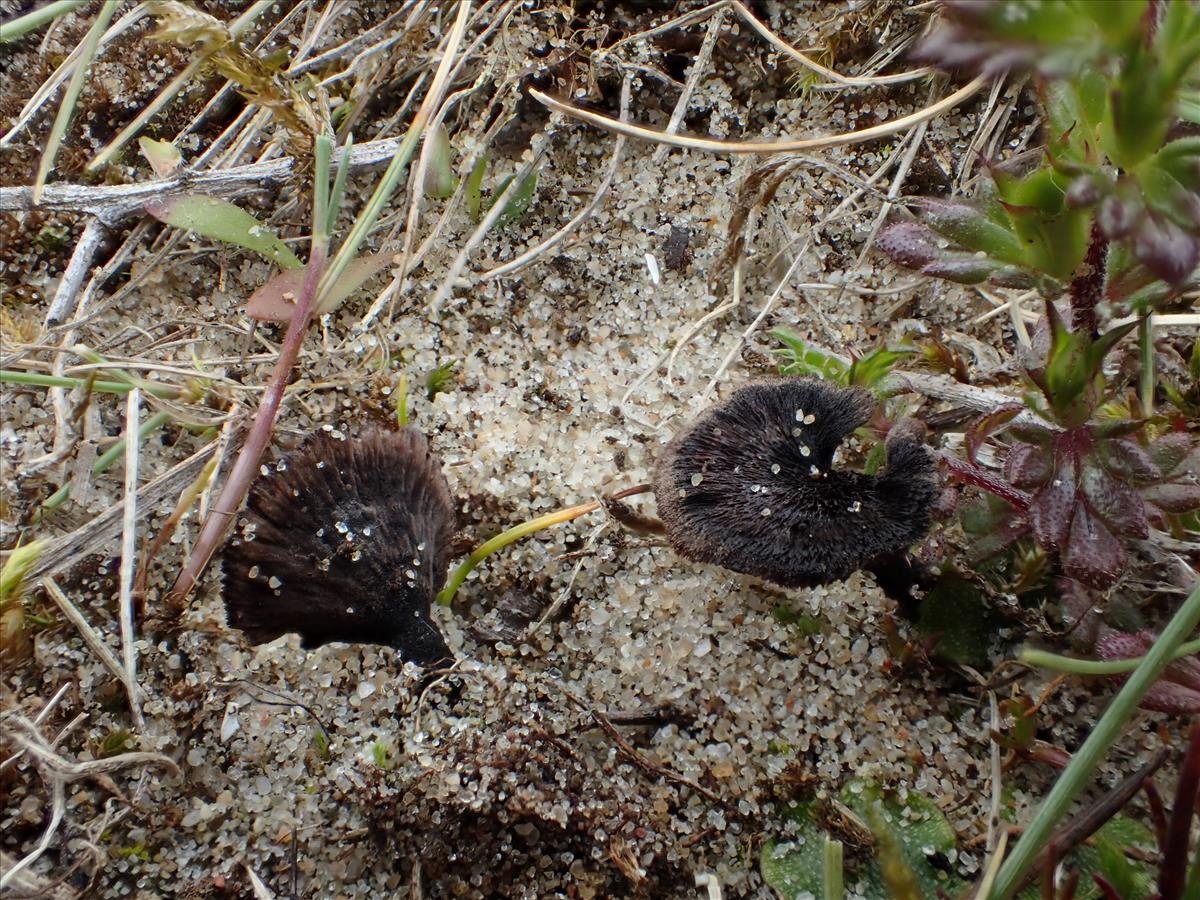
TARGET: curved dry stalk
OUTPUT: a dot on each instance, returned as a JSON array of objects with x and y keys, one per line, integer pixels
[{"x": 712, "y": 145}]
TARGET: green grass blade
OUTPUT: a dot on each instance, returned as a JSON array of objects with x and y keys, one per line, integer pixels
[
  {"x": 22, "y": 25},
  {"x": 67, "y": 107},
  {"x": 1083, "y": 764}
]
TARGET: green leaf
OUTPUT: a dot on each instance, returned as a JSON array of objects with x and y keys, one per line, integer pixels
[
  {"x": 909, "y": 833},
  {"x": 163, "y": 156},
  {"x": 439, "y": 176},
  {"x": 1105, "y": 855},
  {"x": 869, "y": 370},
  {"x": 916, "y": 829},
  {"x": 800, "y": 359},
  {"x": 795, "y": 866},
  {"x": 221, "y": 220},
  {"x": 475, "y": 188},
  {"x": 954, "y": 609},
  {"x": 517, "y": 201}
]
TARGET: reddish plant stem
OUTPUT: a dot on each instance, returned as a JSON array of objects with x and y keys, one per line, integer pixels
[
  {"x": 1087, "y": 287},
  {"x": 981, "y": 478},
  {"x": 238, "y": 484},
  {"x": 1173, "y": 871}
]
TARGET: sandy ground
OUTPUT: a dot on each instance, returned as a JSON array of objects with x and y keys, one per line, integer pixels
[{"x": 500, "y": 780}]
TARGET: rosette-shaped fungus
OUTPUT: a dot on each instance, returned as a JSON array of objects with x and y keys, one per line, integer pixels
[
  {"x": 345, "y": 539},
  {"x": 749, "y": 485}
]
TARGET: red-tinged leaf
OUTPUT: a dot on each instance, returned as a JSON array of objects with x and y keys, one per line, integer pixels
[
  {"x": 987, "y": 425},
  {"x": 1012, "y": 277},
  {"x": 1121, "y": 645},
  {"x": 1173, "y": 496},
  {"x": 1165, "y": 249},
  {"x": 1092, "y": 555},
  {"x": 1172, "y": 699},
  {"x": 275, "y": 301},
  {"x": 1129, "y": 461},
  {"x": 908, "y": 243},
  {"x": 1118, "y": 504},
  {"x": 1053, "y": 507},
  {"x": 1171, "y": 450},
  {"x": 1028, "y": 467},
  {"x": 1185, "y": 671},
  {"x": 1115, "y": 428},
  {"x": 1117, "y": 215}
]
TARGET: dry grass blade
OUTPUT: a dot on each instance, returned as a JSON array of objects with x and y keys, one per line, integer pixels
[
  {"x": 698, "y": 66},
  {"x": 59, "y": 129},
  {"x": 91, "y": 537},
  {"x": 128, "y": 553},
  {"x": 43, "y": 94},
  {"x": 168, "y": 93},
  {"x": 533, "y": 253},
  {"x": 90, "y": 636},
  {"x": 781, "y": 146}
]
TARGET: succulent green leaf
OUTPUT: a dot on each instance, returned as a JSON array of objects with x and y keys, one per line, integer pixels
[
  {"x": 954, "y": 611},
  {"x": 221, "y": 220}
]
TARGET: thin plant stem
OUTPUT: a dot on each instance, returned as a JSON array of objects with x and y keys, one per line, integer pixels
[
  {"x": 713, "y": 145},
  {"x": 1146, "y": 379},
  {"x": 507, "y": 537},
  {"x": 215, "y": 526},
  {"x": 22, "y": 25},
  {"x": 1056, "y": 663},
  {"x": 981, "y": 478},
  {"x": 37, "y": 379},
  {"x": 834, "y": 879},
  {"x": 67, "y": 107},
  {"x": 1087, "y": 758}
]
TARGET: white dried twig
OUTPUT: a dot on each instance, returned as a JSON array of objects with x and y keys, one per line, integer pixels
[
  {"x": 753, "y": 326},
  {"x": 57, "y": 772},
  {"x": 128, "y": 553},
  {"x": 90, "y": 636},
  {"x": 698, "y": 65},
  {"x": 559, "y": 236}
]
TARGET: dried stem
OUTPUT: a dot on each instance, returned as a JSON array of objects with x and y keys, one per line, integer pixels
[{"x": 712, "y": 145}]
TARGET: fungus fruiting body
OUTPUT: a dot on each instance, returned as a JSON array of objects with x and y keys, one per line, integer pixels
[
  {"x": 749, "y": 485},
  {"x": 345, "y": 539}
]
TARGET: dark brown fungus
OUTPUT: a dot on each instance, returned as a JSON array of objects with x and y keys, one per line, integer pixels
[
  {"x": 749, "y": 485},
  {"x": 345, "y": 539}
]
